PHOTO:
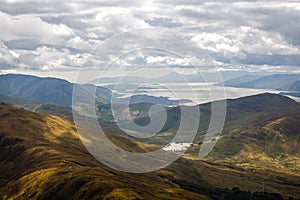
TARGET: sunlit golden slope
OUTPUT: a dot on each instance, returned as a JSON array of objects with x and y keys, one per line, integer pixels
[
  {"x": 42, "y": 158},
  {"x": 274, "y": 145}
]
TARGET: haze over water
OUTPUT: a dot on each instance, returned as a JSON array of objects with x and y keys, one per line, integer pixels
[{"x": 198, "y": 93}]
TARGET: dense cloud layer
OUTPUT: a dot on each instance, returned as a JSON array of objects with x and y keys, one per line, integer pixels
[{"x": 58, "y": 36}]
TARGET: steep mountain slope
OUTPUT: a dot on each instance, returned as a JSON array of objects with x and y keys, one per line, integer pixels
[
  {"x": 39, "y": 89},
  {"x": 261, "y": 132},
  {"x": 52, "y": 109},
  {"x": 44, "y": 90},
  {"x": 34, "y": 106},
  {"x": 17, "y": 88},
  {"x": 16, "y": 101},
  {"x": 43, "y": 158}
]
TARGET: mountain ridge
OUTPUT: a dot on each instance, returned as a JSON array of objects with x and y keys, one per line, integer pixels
[
  {"x": 42, "y": 157},
  {"x": 276, "y": 81},
  {"x": 44, "y": 90}
]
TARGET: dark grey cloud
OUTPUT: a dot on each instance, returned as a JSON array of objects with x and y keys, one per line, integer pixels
[
  {"x": 273, "y": 60},
  {"x": 285, "y": 22},
  {"x": 163, "y": 22},
  {"x": 60, "y": 7}
]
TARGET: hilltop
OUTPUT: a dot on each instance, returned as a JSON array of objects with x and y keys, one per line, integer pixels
[
  {"x": 46, "y": 90},
  {"x": 42, "y": 157}
]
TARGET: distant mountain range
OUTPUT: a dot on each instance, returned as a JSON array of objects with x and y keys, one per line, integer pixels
[
  {"x": 44, "y": 90},
  {"x": 28, "y": 89},
  {"x": 283, "y": 82},
  {"x": 286, "y": 82},
  {"x": 172, "y": 77}
]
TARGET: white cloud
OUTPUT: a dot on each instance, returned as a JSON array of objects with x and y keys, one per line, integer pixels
[
  {"x": 30, "y": 27},
  {"x": 113, "y": 21},
  {"x": 245, "y": 40},
  {"x": 51, "y": 34},
  {"x": 47, "y": 59},
  {"x": 80, "y": 44},
  {"x": 166, "y": 60}
]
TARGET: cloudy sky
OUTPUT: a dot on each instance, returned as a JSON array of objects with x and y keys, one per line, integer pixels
[{"x": 56, "y": 38}]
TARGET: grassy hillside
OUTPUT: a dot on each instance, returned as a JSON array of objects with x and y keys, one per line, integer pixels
[
  {"x": 16, "y": 101},
  {"x": 42, "y": 158},
  {"x": 260, "y": 130},
  {"x": 34, "y": 106},
  {"x": 261, "y": 135}
]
